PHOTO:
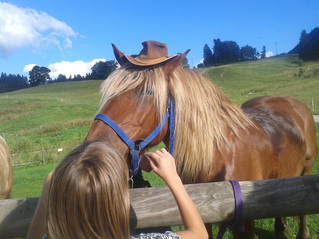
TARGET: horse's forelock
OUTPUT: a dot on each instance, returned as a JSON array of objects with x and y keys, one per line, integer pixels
[{"x": 147, "y": 80}]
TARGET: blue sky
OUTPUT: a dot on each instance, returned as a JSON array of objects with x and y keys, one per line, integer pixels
[{"x": 70, "y": 36}]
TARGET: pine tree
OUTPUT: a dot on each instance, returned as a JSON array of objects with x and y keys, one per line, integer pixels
[
  {"x": 305, "y": 46},
  {"x": 208, "y": 56},
  {"x": 263, "y": 53}
]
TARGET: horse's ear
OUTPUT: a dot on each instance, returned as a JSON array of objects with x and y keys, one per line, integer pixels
[
  {"x": 172, "y": 64},
  {"x": 121, "y": 59}
]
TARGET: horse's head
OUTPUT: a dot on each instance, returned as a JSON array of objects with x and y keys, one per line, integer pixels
[{"x": 136, "y": 108}]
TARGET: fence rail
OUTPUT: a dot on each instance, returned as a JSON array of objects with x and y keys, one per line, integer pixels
[
  {"x": 155, "y": 207},
  {"x": 39, "y": 156}
]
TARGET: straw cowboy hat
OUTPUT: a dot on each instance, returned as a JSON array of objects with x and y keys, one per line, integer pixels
[{"x": 153, "y": 53}]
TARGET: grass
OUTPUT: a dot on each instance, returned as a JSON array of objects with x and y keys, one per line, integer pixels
[
  {"x": 60, "y": 115},
  {"x": 49, "y": 116},
  {"x": 29, "y": 180},
  {"x": 276, "y": 75}
]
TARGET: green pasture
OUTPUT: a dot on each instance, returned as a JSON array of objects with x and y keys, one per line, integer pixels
[
  {"x": 55, "y": 118},
  {"x": 276, "y": 75}
]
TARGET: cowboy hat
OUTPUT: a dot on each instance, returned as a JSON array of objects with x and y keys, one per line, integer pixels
[{"x": 153, "y": 53}]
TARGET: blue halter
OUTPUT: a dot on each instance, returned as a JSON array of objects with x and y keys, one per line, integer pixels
[{"x": 138, "y": 145}]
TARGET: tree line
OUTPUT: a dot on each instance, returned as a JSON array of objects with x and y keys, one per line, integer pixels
[
  {"x": 10, "y": 82},
  {"x": 39, "y": 75},
  {"x": 308, "y": 46},
  {"x": 224, "y": 52},
  {"x": 100, "y": 71}
]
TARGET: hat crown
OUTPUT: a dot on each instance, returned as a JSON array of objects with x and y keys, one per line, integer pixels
[
  {"x": 153, "y": 50},
  {"x": 153, "y": 53}
]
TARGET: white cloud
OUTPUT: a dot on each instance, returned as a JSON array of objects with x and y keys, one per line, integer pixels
[
  {"x": 269, "y": 54},
  {"x": 72, "y": 68},
  {"x": 28, "y": 68},
  {"x": 24, "y": 27}
]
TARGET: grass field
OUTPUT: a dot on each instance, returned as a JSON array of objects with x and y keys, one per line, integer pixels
[{"x": 58, "y": 116}]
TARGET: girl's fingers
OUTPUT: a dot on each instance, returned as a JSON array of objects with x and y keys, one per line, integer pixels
[{"x": 151, "y": 163}]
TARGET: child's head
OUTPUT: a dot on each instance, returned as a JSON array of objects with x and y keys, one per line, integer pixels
[{"x": 89, "y": 196}]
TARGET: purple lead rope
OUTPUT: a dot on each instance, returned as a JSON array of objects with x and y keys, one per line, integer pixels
[{"x": 239, "y": 211}]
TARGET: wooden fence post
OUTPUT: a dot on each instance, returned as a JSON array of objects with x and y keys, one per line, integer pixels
[{"x": 43, "y": 155}]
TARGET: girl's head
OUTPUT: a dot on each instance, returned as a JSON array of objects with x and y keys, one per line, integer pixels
[{"x": 89, "y": 196}]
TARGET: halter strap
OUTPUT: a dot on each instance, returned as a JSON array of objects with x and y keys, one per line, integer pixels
[
  {"x": 136, "y": 146},
  {"x": 239, "y": 211}
]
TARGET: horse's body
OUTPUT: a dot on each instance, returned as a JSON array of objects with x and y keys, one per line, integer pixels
[
  {"x": 6, "y": 177},
  {"x": 269, "y": 137}
]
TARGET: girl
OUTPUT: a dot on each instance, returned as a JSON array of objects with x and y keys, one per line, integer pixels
[{"x": 87, "y": 196}]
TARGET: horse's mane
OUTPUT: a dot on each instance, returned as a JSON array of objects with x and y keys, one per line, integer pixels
[
  {"x": 6, "y": 170},
  {"x": 203, "y": 113}
]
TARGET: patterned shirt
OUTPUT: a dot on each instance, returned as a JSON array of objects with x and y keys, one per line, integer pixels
[{"x": 166, "y": 235}]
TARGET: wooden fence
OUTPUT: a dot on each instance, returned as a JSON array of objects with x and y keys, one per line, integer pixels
[
  {"x": 154, "y": 207},
  {"x": 40, "y": 156}
]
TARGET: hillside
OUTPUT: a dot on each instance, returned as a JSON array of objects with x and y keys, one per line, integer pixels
[
  {"x": 60, "y": 115},
  {"x": 49, "y": 116},
  {"x": 276, "y": 75}
]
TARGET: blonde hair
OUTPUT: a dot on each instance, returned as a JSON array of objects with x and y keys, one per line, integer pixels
[
  {"x": 89, "y": 195},
  {"x": 204, "y": 115}
]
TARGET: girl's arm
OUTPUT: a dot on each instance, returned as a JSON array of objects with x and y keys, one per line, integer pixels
[
  {"x": 38, "y": 224},
  {"x": 163, "y": 164}
]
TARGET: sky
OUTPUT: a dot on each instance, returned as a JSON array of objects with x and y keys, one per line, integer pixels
[{"x": 69, "y": 37}]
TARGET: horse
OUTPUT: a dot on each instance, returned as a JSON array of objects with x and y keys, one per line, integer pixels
[
  {"x": 213, "y": 139},
  {"x": 6, "y": 177}
]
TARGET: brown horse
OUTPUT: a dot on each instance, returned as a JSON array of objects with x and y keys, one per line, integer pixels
[
  {"x": 6, "y": 177},
  {"x": 215, "y": 140}
]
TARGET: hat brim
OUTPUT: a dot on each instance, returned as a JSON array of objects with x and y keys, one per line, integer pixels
[{"x": 139, "y": 61}]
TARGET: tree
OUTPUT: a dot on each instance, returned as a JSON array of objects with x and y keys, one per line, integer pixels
[
  {"x": 308, "y": 46},
  {"x": 216, "y": 48},
  {"x": 12, "y": 82},
  {"x": 226, "y": 51},
  {"x": 77, "y": 77},
  {"x": 263, "y": 53},
  {"x": 305, "y": 47},
  {"x": 314, "y": 37},
  {"x": 38, "y": 75},
  {"x": 61, "y": 78},
  {"x": 248, "y": 53},
  {"x": 102, "y": 69},
  {"x": 208, "y": 56}
]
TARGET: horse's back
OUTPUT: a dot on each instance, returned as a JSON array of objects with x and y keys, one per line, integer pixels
[
  {"x": 288, "y": 123},
  {"x": 6, "y": 177}
]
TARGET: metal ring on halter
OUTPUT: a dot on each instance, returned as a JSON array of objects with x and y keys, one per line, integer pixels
[{"x": 131, "y": 180}]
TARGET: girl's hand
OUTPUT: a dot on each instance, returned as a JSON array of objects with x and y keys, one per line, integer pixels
[{"x": 162, "y": 163}]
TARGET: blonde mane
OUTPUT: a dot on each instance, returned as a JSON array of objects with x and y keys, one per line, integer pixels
[
  {"x": 5, "y": 170},
  {"x": 203, "y": 113}
]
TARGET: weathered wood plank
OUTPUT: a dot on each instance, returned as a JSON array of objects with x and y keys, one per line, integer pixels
[{"x": 152, "y": 207}]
